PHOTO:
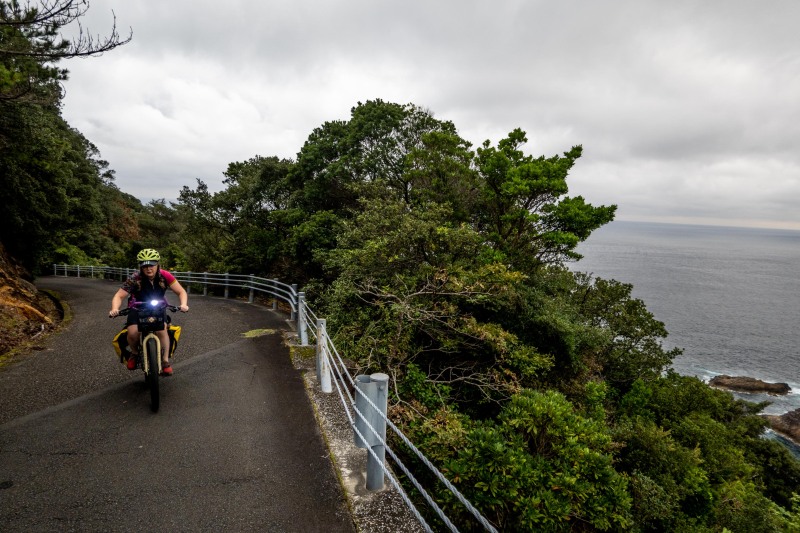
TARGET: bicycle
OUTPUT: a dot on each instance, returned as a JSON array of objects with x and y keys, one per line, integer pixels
[{"x": 152, "y": 317}]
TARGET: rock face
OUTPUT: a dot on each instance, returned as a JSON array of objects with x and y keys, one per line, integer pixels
[
  {"x": 745, "y": 384},
  {"x": 788, "y": 424},
  {"x": 24, "y": 312}
]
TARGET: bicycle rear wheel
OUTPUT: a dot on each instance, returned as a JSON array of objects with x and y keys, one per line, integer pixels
[{"x": 153, "y": 355}]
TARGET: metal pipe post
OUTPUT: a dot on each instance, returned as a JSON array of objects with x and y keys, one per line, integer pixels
[
  {"x": 274, "y": 294},
  {"x": 375, "y": 466},
  {"x": 323, "y": 363},
  {"x": 227, "y": 284},
  {"x": 301, "y": 318},
  {"x": 372, "y": 424},
  {"x": 252, "y": 288},
  {"x": 294, "y": 302}
]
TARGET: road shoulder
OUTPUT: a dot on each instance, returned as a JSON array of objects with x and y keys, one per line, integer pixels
[{"x": 373, "y": 512}]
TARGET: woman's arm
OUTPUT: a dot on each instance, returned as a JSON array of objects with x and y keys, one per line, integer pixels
[
  {"x": 178, "y": 289},
  {"x": 116, "y": 302}
]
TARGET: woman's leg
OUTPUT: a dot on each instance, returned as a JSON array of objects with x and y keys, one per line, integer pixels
[
  {"x": 163, "y": 337},
  {"x": 133, "y": 338}
]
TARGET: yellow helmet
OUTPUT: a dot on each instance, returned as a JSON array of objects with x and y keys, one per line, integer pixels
[{"x": 148, "y": 256}]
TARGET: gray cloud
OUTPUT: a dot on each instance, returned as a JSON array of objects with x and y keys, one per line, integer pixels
[{"x": 687, "y": 111}]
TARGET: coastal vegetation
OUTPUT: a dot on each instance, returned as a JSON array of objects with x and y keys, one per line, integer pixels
[{"x": 544, "y": 394}]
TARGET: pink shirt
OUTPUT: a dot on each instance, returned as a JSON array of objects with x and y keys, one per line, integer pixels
[{"x": 142, "y": 289}]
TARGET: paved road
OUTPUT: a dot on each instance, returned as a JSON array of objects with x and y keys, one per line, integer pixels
[{"x": 235, "y": 446}]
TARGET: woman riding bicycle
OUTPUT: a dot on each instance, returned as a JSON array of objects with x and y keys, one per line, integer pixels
[{"x": 150, "y": 283}]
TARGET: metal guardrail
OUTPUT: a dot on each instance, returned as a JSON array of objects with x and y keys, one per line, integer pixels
[
  {"x": 272, "y": 288},
  {"x": 366, "y": 411}
]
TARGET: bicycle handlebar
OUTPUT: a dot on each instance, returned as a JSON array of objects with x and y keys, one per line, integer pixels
[{"x": 159, "y": 304}]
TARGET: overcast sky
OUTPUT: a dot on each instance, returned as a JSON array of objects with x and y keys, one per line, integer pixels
[{"x": 687, "y": 111}]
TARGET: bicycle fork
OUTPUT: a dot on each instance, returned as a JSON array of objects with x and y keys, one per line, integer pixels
[{"x": 151, "y": 342}]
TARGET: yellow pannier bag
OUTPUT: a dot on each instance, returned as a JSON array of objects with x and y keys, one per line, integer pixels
[
  {"x": 174, "y": 337},
  {"x": 120, "y": 342}
]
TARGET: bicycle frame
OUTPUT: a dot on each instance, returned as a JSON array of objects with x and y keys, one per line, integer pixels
[{"x": 152, "y": 317}]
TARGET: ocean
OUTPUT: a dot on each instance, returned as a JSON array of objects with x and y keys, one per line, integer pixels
[{"x": 728, "y": 296}]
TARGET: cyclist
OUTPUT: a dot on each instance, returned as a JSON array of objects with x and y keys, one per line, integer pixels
[{"x": 150, "y": 283}]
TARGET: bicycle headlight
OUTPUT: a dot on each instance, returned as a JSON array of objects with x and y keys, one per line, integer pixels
[{"x": 153, "y": 303}]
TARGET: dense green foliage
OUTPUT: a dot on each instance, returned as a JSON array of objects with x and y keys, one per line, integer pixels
[
  {"x": 542, "y": 393},
  {"x": 60, "y": 203}
]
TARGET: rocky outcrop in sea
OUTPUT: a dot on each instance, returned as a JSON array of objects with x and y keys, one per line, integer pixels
[
  {"x": 752, "y": 385},
  {"x": 788, "y": 424}
]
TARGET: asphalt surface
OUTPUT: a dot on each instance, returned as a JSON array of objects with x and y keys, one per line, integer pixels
[{"x": 234, "y": 447}]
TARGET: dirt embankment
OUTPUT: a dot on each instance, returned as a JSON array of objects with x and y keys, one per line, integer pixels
[{"x": 25, "y": 313}]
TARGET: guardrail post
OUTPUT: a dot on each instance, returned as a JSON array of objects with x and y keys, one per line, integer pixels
[
  {"x": 301, "y": 318},
  {"x": 252, "y": 288},
  {"x": 78, "y": 267},
  {"x": 205, "y": 283},
  {"x": 274, "y": 294},
  {"x": 372, "y": 424},
  {"x": 227, "y": 284},
  {"x": 323, "y": 364},
  {"x": 293, "y": 316},
  {"x": 189, "y": 282}
]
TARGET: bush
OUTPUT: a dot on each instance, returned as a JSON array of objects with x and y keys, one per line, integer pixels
[{"x": 540, "y": 466}]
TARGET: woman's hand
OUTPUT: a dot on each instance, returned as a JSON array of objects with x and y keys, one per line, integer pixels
[
  {"x": 184, "y": 308},
  {"x": 113, "y": 313}
]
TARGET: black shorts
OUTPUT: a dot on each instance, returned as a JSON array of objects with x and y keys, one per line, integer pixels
[{"x": 133, "y": 318}]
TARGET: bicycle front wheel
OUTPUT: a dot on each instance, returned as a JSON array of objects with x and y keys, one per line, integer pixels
[{"x": 153, "y": 355}]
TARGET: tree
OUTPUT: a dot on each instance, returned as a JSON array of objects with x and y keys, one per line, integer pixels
[
  {"x": 30, "y": 45},
  {"x": 52, "y": 178},
  {"x": 524, "y": 210},
  {"x": 56, "y": 185},
  {"x": 243, "y": 228},
  {"x": 413, "y": 286},
  {"x": 373, "y": 147}
]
